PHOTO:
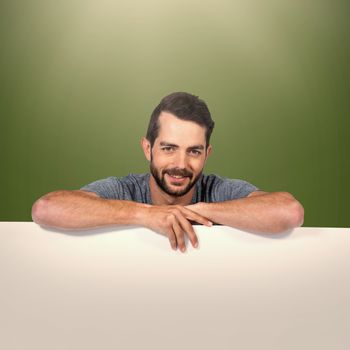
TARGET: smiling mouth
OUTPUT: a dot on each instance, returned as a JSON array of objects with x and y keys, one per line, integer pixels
[{"x": 177, "y": 178}]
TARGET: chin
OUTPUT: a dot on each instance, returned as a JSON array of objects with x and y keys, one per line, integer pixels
[{"x": 179, "y": 192}]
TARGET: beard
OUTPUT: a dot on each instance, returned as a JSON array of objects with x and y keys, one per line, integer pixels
[{"x": 159, "y": 176}]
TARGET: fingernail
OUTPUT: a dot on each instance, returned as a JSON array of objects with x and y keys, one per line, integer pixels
[
  {"x": 183, "y": 249},
  {"x": 196, "y": 245},
  {"x": 210, "y": 223}
]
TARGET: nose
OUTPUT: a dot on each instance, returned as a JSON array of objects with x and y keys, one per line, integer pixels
[{"x": 181, "y": 160}]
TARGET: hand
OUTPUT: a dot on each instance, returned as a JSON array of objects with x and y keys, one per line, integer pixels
[{"x": 174, "y": 221}]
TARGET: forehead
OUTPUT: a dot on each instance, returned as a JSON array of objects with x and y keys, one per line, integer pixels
[{"x": 178, "y": 131}]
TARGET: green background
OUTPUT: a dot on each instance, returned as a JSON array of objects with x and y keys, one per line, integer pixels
[{"x": 79, "y": 80}]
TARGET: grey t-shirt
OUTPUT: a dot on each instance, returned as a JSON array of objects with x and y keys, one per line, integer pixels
[{"x": 135, "y": 187}]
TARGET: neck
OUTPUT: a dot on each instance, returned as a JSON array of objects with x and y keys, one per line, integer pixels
[{"x": 159, "y": 197}]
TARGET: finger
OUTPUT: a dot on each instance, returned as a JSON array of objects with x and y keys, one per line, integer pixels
[
  {"x": 188, "y": 228},
  {"x": 179, "y": 235},
  {"x": 172, "y": 239},
  {"x": 189, "y": 214}
]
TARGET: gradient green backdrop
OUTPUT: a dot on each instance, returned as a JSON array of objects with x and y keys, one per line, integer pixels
[{"x": 79, "y": 80}]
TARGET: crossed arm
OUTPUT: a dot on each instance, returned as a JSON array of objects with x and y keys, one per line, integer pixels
[{"x": 260, "y": 212}]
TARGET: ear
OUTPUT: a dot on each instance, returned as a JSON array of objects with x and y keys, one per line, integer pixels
[
  {"x": 146, "y": 146},
  {"x": 209, "y": 149}
]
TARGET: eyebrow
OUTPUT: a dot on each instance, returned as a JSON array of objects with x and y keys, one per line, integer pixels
[
  {"x": 196, "y": 147},
  {"x": 162, "y": 143}
]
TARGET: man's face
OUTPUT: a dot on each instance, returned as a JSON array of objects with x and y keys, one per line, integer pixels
[{"x": 178, "y": 155}]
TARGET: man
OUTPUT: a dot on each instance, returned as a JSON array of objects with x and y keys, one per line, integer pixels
[{"x": 175, "y": 193}]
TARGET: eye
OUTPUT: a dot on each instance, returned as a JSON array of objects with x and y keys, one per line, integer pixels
[
  {"x": 167, "y": 149},
  {"x": 195, "y": 152}
]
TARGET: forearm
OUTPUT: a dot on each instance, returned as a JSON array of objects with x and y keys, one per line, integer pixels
[
  {"x": 78, "y": 210},
  {"x": 268, "y": 213}
]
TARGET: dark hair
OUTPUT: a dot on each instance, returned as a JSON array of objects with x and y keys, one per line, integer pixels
[{"x": 184, "y": 106}]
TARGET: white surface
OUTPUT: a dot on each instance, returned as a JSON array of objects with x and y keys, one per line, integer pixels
[{"x": 126, "y": 289}]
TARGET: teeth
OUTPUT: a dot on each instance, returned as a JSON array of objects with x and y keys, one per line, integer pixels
[{"x": 177, "y": 176}]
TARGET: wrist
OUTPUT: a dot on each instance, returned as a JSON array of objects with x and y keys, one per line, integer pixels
[
  {"x": 196, "y": 206},
  {"x": 141, "y": 214}
]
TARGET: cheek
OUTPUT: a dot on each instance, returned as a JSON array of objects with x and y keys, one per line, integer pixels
[
  {"x": 159, "y": 161},
  {"x": 198, "y": 163}
]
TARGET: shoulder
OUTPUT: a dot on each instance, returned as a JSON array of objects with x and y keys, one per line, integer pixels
[
  {"x": 222, "y": 188},
  {"x": 135, "y": 179},
  {"x": 217, "y": 181},
  {"x": 117, "y": 187},
  {"x": 105, "y": 188},
  {"x": 128, "y": 179},
  {"x": 104, "y": 182}
]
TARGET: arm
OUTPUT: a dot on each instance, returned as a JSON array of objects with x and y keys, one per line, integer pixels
[
  {"x": 79, "y": 209},
  {"x": 260, "y": 212}
]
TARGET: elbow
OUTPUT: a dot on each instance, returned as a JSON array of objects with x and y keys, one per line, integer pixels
[
  {"x": 294, "y": 212},
  {"x": 39, "y": 209},
  {"x": 42, "y": 208},
  {"x": 297, "y": 215}
]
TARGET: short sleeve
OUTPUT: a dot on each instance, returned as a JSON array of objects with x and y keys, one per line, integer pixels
[
  {"x": 228, "y": 189},
  {"x": 109, "y": 188}
]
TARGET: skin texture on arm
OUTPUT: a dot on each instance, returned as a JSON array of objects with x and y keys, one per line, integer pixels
[
  {"x": 73, "y": 210},
  {"x": 260, "y": 212},
  {"x": 78, "y": 209}
]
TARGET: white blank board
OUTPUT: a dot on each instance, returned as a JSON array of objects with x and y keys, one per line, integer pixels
[{"x": 125, "y": 288}]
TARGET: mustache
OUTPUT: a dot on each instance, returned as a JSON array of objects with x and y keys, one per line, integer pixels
[{"x": 178, "y": 172}]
